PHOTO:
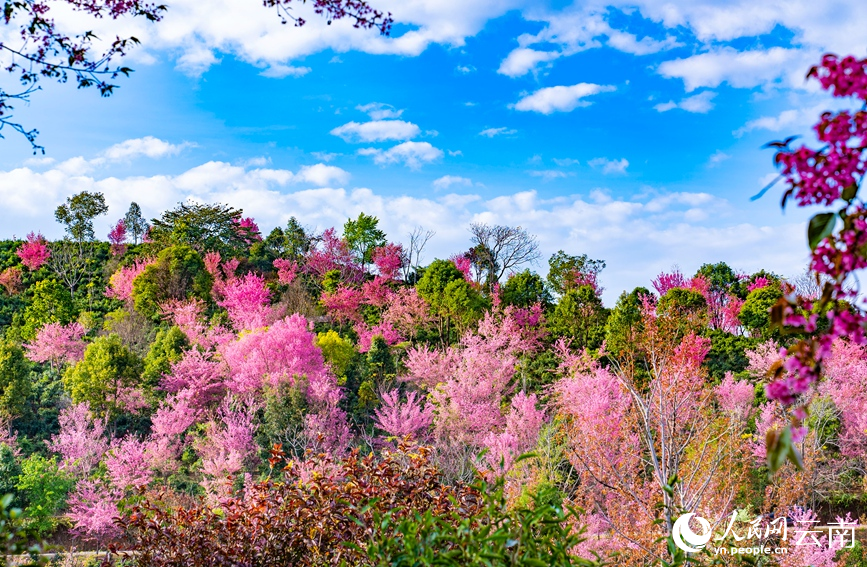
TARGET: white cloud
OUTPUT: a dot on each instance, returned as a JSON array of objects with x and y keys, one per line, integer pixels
[
  {"x": 745, "y": 69},
  {"x": 700, "y": 103},
  {"x": 324, "y": 156},
  {"x": 628, "y": 43},
  {"x": 411, "y": 154},
  {"x": 379, "y": 110},
  {"x": 610, "y": 166},
  {"x": 465, "y": 69},
  {"x": 502, "y": 131},
  {"x": 376, "y": 131},
  {"x": 278, "y": 71},
  {"x": 717, "y": 158},
  {"x": 561, "y": 98},
  {"x": 322, "y": 175},
  {"x": 566, "y": 162},
  {"x": 447, "y": 181},
  {"x": 550, "y": 174},
  {"x": 523, "y": 60},
  {"x": 148, "y": 147}
]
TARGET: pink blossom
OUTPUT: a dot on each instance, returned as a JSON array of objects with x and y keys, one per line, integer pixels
[
  {"x": 343, "y": 305},
  {"x": 81, "y": 441},
  {"x": 287, "y": 270},
  {"x": 384, "y": 330},
  {"x": 389, "y": 259},
  {"x": 407, "y": 312},
  {"x": 132, "y": 399},
  {"x": 735, "y": 398},
  {"x": 117, "y": 238},
  {"x": 332, "y": 253},
  {"x": 229, "y": 445},
  {"x": 249, "y": 230},
  {"x": 464, "y": 265},
  {"x": 57, "y": 344},
  {"x": 273, "y": 355},
  {"x": 247, "y": 301},
  {"x": 196, "y": 378},
  {"x": 399, "y": 419},
  {"x": 10, "y": 279},
  {"x": 759, "y": 283},
  {"x": 666, "y": 281},
  {"x": 377, "y": 292},
  {"x": 93, "y": 510},
  {"x": 34, "y": 252},
  {"x": 127, "y": 463},
  {"x": 120, "y": 283}
]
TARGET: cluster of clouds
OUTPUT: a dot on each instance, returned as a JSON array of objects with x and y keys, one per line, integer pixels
[{"x": 638, "y": 236}]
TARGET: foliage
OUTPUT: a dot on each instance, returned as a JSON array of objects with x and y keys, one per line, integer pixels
[
  {"x": 51, "y": 303},
  {"x": 756, "y": 311},
  {"x": 363, "y": 237},
  {"x": 167, "y": 348},
  {"x": 496, "y": 535},
  {"x": 525, "y": 289},
  {"x": 100, "y": 378},
  {"x": 14, "y": 380},
  {"x": 203, "y": 227},
  {"x": 78, "y": 212},
  {"x": 135, "y": 223},
  {"x": 314, "y": 512},
  {"x": 13, "y": 535},
  {"x": 563, "y": 268},
  {"x": 178, "y": 273},
  {"x": 44, "y": 486},
  {"x": 580, "y": 315}
]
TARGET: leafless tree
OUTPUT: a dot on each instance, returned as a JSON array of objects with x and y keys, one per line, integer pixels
[
  {"x": 418, "y": 239},
  {"x": 69, "y": 262},
  {"x": 503, "y": 248}
]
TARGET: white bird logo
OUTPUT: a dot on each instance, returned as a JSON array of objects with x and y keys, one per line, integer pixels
[{"x": 685, "y": 538}]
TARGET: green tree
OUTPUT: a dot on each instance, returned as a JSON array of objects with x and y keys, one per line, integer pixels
[
  {"x": 135, "y": 223},
  {"x": 581, "y": 316},
  {"x": 563, "y": 267},
  {"x": 525, "y": 289},
  {"x": 10, "y": 470},
  {"x": 51, "y": 303},
  {"x": 204, "y": 227},
  {"x": 756, "y": 311},
  {"x": 727, "y": 353},
  {"x": 625, "y": 323},
  {"x": 720, "y": 276},
  {"x": 338, "y": 352},
  {"x": 363, "y": 236},
  {"x": 78, "y": 212},
  {"x": 107, "y": 367},
  {"x": 434, "y": 280},
  {"x": 178, "y": 273},
  {"x": 14, "y": 380},
  {"x": 44, "y": 487},
  {"x": 168, "y": 347},
  {"x": 688, "y": 308},
  {"x": 462, "y": 305}
]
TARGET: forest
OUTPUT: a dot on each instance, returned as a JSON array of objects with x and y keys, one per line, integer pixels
[{"x": 192, "y": 391}]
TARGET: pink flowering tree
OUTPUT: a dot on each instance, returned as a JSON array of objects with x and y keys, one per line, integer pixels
[
  {"x": 117, "y": 238},
  {"x": 57, "y": 344},
  {"x": 403, "y": 418},
  {"x": 333, "y": 253},
  {"x": 228, "y": 446},
  {"x": 247, "y": 301},
  {"x": 120, "y": 282},
  {"x": 287, "y": 270},
  {"x": 128, "y": 463},
  {"x": 645, "y": 449},
  {"x": 196, "y": 378},
  {"x": 81, "y": 441},
  {"x": 34, "y": 252},
  {"x": 408, "y": 312},
  {"x": 93, "y": 511},
  {"x": 828, "y": 177},
  {"x": 389, "y": 260}
]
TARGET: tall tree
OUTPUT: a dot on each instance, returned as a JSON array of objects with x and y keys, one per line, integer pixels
[
  {"x": 204, "y": 227},
  {"x": 78, "y": 212},
  {"x": 502, "y": 248},
  {"x": 363, "y": 236},
  {"x": 564, "y": 270},
  {"x": 135, "y": 223}
]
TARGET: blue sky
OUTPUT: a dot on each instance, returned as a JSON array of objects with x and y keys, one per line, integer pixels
[{"x": 630, "y": 132}]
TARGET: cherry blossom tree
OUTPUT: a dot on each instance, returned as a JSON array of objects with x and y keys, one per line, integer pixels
[
  {"x": 34, "y": 252},
  {"x": 247, "y": 301},
  {"x": 120, "y": 283},
  {"x": 117, "y": 238},
  {"x": 399, "y": 419},
  {"x": 81, "y": 441},
  {"x": 57, "y": 344},
  {"x": 10, "y": 279}
]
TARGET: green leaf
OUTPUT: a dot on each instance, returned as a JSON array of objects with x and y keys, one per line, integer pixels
[
  {"x": 850, "y": 192},
  {"x": 821, "y": 225}
]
